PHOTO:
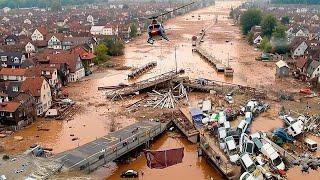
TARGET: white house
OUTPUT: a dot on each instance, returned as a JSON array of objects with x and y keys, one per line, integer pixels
[
  {"x": 29, "y": 48},
  {"x": 40, "y": 90},
  {"x": 313, "y": 69},
  {"x": 299, "y": 49},
  {"x": 302, "y": 33},
  {"x": 9, "y": 74},
  {"x": 257, "y": 39},
  {"x": 6, "y": 9},
  {"x": 90, "y": 19},
  {"x": 76, "y": 69},
  {"x": 37, "y": 36},
  {"x": 5, "y": 19},
  {"x": 55, "y": 42},
  {"x": 27, "y": 21},
  {"x": 97, "y": 30},
  {"x": 315, "y": 17}
]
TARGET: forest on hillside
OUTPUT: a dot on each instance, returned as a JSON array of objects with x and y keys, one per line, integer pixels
[
  {"x": 295, "y": 1},
  {"x": 44, "y": 3}
]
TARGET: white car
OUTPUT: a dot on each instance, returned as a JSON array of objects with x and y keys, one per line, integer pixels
[
  {"x": 246, "y": 176},
  {"x": 231, "y": 149},
  {"x": 229, "y": 99},
  {"x": 242, "y": 127},
  {"x": 273, "y": 155},
  {"x": 222, "y": 133}
]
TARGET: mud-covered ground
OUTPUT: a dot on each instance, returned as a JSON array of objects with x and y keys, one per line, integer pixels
[{"x": 223, "y": 40}]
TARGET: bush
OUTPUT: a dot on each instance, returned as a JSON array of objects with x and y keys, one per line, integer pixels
[{"x": 5, "y": 157}]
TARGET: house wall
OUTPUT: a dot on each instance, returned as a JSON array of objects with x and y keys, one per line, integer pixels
[
  {"x": 73, "y": 77},
  {"x": 30, "y": 48},
  {"x": 282, "y": 72},
  {"x": 54, "y": 43},
  {"x": 54, "y": 79},
  {"x": 316, "y": 72},
  {"x": 13, "y": 78},
  {"x": 300, "y": 33},
  {"x": 299, "y": 51},
  {"x": 37, "y": 36},
  {"x": 45, "y": 98},
  {"x": 257, "y": 40}
]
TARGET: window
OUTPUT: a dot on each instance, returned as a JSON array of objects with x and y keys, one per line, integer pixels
[
  {"x": 2, "y": 113},
  {"x": 15, "y": 88},
  {"x": 16, "y": 60},
  {"x": 10, "y": 115}
]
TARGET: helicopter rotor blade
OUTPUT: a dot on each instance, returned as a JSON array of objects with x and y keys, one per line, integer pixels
[{"x": 155, "y": 17}]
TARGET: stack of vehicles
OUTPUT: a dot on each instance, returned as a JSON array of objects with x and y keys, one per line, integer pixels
[{"x": 257, "y": 157}]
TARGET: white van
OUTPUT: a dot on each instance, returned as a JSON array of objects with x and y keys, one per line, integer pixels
[
  {"x": 222, "y": 117},
  {"x": 273, "y": 155},
  {"x": 295, "y": 128},
  {"x": 231, "y": 149},
  {"x": 227, "y": 125},
  {"x": 222, "y": 133},
  {"x": 242, "y": 127},
  {"x": 247, "y": 163},
  {"x": 251, "y": 105},
  {"x": 288, "y": 120},
  {"x": 311, "y": 144},
  {"x": 248, "y": 117},
  {"x": 246, "y": 176}
]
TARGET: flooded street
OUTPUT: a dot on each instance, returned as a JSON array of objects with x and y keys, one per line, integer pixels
[
  {"x": 223, "y": 40},
  {"x": 191, "y": 166}
]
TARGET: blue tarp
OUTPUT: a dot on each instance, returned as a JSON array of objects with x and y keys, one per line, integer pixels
[{"x": 196, "y": 114}]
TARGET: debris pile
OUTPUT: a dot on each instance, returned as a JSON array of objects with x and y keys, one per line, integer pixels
[{"x": 142, "y": 69}]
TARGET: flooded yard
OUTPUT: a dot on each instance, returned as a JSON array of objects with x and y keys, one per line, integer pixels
[{"x": 223, "y": 40}]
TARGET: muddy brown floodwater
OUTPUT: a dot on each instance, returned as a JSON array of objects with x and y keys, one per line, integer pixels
[
  {"x": 192, "y": 167},
  {"x": 223, "y": 40}
]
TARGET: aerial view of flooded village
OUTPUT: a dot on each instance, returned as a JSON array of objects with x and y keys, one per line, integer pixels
[{"x": 159, "y": 89}]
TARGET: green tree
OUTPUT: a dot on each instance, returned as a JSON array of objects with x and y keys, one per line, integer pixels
[
  {"x": 268, "y": 24},
  {"x": 231, "y": 14},
  {"x": 279, "y": 40},
  {"x": 250, "y": 38},
  {"x": 265, "y": 45},
  {"x": 55, "y": 5},
  {"x": 125, "y": 6},
  {"x": 285, "y": 20},
  {"x": 249, "y": 19},
  {"x": 101, "y": 53},
  {"x": 134, "y": 30},
  {"x": 115, "y": 46},
  {"x": 280, "y": 32}
]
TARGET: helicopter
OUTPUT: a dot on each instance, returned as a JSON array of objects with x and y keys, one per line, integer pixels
[{"x": 156, "y": 29}]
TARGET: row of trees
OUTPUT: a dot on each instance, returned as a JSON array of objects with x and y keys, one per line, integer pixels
[
  {"x": 273, "y": 31},
  {"x": 110, "y": 46},
  {"x": 44, "y": 3},
  {"x": 295, "y": 1}
]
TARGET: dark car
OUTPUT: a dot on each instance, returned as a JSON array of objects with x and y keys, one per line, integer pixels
[
  {"x": 88, "y": 72},
  {"x": 129, "y": 174}
]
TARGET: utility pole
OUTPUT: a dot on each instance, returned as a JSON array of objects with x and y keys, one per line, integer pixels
[{"x": 175, "y": 58}]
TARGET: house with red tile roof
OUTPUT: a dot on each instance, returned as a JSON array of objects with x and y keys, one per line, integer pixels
[
  {"x": 39, "y": 34},
  {"x": 40, "y": 89},
  {"x": 55, "y": 41},
  {"x": 86, "y": 57},
  {"x": 9, "y": 74},
  {"x": 73, "y": 60}
]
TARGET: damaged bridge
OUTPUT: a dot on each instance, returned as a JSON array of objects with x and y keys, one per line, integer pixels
[
  {"x": 142, "y": 85},
  {"x": 92, "y": 155}
]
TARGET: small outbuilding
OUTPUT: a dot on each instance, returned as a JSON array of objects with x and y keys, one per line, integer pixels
[{"x": 282, "y": 69}]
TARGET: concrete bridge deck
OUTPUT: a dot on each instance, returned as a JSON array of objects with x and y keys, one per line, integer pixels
[
  {"x": 138, "y": 86},
  {"x": 110, "y": 147}
]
